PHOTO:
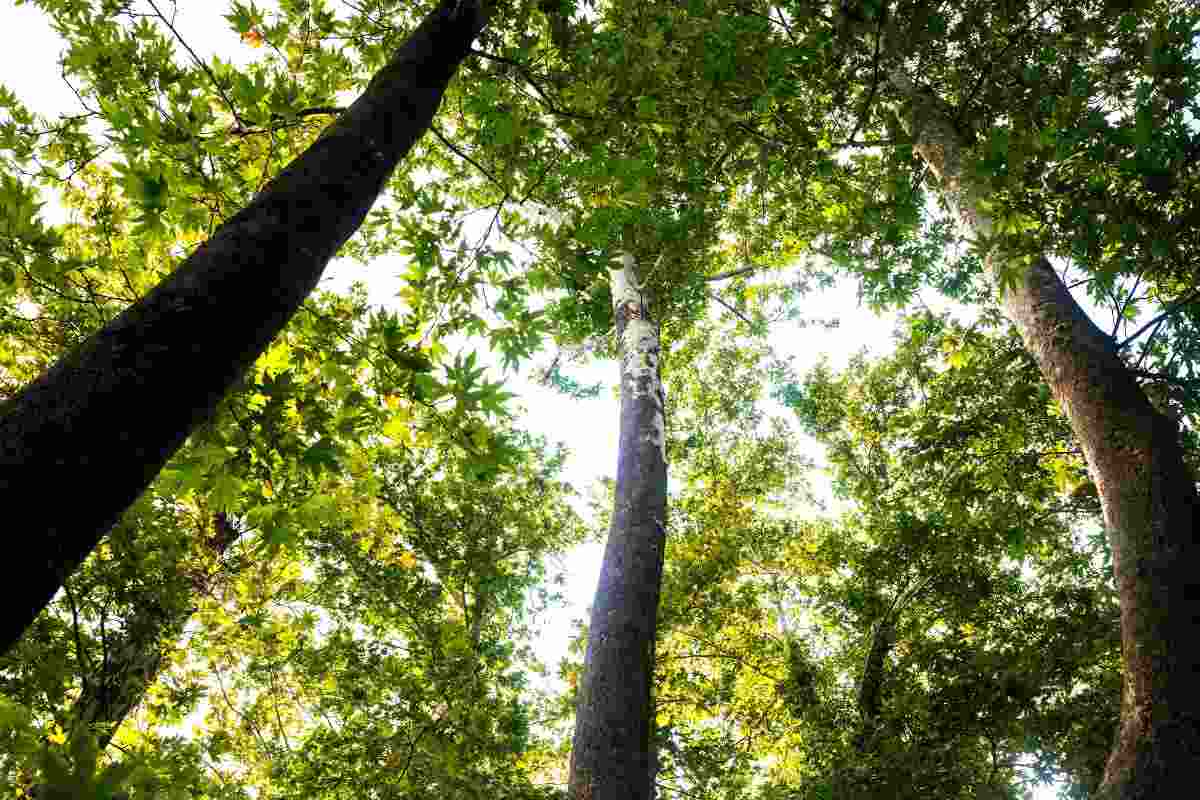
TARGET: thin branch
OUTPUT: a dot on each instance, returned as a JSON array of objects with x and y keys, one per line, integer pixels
[
  {"x": 1171, "y": 309},
  {"x": 733, "y": 273},
  {"x": 1149, "y": 341},
  {"x": 201, "y": 64},
  {"x": 866, "y": 109},
  {"x": 458, "y": 152},
  {"x": 317, "y": 111},
  {"x": 731, "y": 309},
  {"x": 525, "y": 73},
  {"x": 80, "y": 656},
  {"x": 983, "y": 75}
]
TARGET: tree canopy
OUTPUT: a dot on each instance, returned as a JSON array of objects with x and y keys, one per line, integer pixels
[{"x": 337, "y": 578}]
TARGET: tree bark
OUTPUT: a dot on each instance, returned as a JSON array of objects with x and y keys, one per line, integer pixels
[
  {"x": 1147, "y": 493},
  {"x": 104, "y": 419},
  {"x": 131, "y": 663},
  {"x": 612, "y": 757},
  {"x": 870, "y": 687}
]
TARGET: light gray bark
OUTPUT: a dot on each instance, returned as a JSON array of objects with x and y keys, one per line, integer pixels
[{"x": 612, "y": 755}]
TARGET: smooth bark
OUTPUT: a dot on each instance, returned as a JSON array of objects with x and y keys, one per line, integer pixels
[
  {"x": 101, "y": 422},
  {"x": 612, "y": 756},
  {"x": 1147, "y": 493}
]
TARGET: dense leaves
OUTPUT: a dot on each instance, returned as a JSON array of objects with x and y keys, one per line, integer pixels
[{"x": 946, "y": 627}]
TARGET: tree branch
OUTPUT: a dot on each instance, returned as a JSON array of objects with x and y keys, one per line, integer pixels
[
  {"x": 217, "y": 84},
  {"x": 733, "y": 273},
  {"x": 524, "y": 70},
  {"x": 731, "y": 309},
  {"x": 458, "y": 152},
  {"x": 1191, "y": 297}
]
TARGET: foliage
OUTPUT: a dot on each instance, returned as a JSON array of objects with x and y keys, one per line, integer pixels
[
  {"x": 956, "y": 532},
  {"x": 372, "y": 630}
]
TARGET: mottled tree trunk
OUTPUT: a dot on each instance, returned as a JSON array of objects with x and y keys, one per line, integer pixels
[
  {"x": 131, "y": 663},
  {"x": 612, "y": 757},
  {"x": 1147, "y": 493},
  {"x": 105, "y": 418}
]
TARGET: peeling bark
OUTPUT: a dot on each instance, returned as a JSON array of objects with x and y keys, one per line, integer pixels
[
  {"x": 612, "y": 756},
  {"x": 105, "y": 418},
  {"x": 1147, "y": 493}
]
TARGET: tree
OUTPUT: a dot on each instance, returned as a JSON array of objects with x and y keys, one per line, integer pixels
[
  {"x": 976, "y": 507},
  {"x": 612, "y": 751},
  {"x": 778, "y": 676},
  {"x": 97, "y": 419},
  {"x": 1136, "y": 457},
  {"x": 994, "y": 102},
  {"x": 627, "y": 180},
  {"x": 718, "y": 142}
]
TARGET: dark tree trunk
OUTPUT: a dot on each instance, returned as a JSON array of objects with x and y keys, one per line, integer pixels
[
  {"x": 1147, "y": 494},
  {"x": 870, "y": 687},
  {"x": 612, "y": 757},
  {"x": 852, "y": 776},
  {"x": 132, "y": 662},
  {"x": 102, "y": 421}
]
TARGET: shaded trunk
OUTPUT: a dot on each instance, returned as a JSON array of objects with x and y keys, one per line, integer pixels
[
  {"x": 851, "y": 777},
  {"x": 107, "y": 416},
  {"x": 612, "y": 756},
  {"x": 132, "y": 662},
  {"x": 1147, "y": 494},
  {"x": 870, "y": 687}
]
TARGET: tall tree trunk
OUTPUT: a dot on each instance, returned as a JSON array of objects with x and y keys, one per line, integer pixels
[
  {"x": 850, "y": 778},
  {"x": 612, "y": 755},
  {"x": 132, "y": 662},
  {"x": 105, "y": 418},
  {"x": 870, "y": 687},
  {"x": 1147, "y": 494}
]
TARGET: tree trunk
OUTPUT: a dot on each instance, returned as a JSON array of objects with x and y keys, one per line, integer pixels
[
  {"x": 1147, "y": 494},
  {"x": 104, "y": 419},
  {"x": 870, "y": 687},
  {"x": 132, "y": 662},
  {"x": 612, "y": 755}
]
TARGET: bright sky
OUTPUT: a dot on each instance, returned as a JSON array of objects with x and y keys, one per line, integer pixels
[{"x": 588, "y": 427}]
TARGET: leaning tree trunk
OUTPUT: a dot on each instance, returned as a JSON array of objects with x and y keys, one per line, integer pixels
[
  {"x": 612, "y": 757},
  {"x": 1147, "y": 494},
  {"x": 870, "y": 687},
  {"x": 859, "y": 771},
  {"x": 132, "y": 662},
  {"x": 105, "y": 418}
]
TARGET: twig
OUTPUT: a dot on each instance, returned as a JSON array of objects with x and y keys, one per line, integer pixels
[
  {"x": 458, "y": 151},
  {"x": 201, "y": 64},
  {"x": 731, "y": 309},
  {"x": 1171, "y": 309}
]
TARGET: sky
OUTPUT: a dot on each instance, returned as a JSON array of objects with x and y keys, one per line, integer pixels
[{"x": 589, "y": 427}]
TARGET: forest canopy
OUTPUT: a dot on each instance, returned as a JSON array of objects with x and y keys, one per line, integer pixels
[{"x": 288, "y": 541}]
